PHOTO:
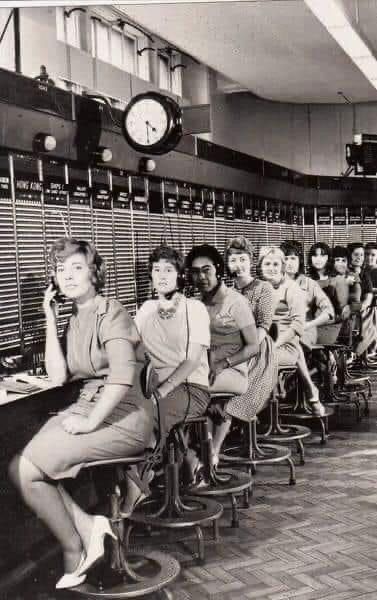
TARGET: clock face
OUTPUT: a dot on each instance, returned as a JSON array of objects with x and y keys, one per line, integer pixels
[{"x": 147, "y": 122}]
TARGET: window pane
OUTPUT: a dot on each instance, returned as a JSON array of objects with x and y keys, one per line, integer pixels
[
  {"x": 129, "y": 54},
  {"x": 176, "y": 77},
  {"x": 103, "y": 49},
  {"x": 73, "y": 29},
  {"x": 143, "y": 60},
  {"x": 164, "y": 79},
  {"x": 116, "y": 39},
  {"x": 59, "y": 24}
]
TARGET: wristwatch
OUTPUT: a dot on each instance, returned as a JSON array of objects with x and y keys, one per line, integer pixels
[{"x": 227, "y": 360}]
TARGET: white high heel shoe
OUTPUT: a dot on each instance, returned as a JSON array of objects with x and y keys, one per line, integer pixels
[
  {"x": 73, "y": 579},
  {"x": 96, "y": 548}
]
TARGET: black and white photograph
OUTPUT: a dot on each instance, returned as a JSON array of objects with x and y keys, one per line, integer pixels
[{"x": 188, "y": 300}]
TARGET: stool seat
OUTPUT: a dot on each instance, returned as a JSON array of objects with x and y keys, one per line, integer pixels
[
  {"x": 249, "y": 453},
  {"x": 276, "y": 432},
  {"x": 162, "y": 571},
  {"x": 129, "y": 460},
  {"x": 127, "y": 574},
  {"x": 221, "y": 396}
]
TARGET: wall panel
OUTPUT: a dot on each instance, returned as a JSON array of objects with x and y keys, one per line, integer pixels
[{"x": 127, "y": 215}]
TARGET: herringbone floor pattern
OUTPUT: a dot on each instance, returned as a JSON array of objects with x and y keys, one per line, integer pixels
[{"x": 315, "y": 540}]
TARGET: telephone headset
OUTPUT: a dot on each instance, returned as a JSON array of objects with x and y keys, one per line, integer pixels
[{"x": 58, "y": 298}]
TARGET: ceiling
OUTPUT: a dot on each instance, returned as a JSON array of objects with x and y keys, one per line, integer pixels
[{"x": 276, "y": 49}]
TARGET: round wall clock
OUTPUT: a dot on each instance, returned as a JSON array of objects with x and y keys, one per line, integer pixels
[{"x": 152, "y": 123}]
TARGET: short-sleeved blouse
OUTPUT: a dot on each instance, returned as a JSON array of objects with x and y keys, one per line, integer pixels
[
  {"x": 260, "y": 296},
  {"x": 166, "y": 340},
  {"x": 93, "y": 362},
  {"x": 317, "y": 302},
  {"x": 366, "y": 282},
  {"x": 229, "y": 313},
  {"x": 289, "y": 301}
]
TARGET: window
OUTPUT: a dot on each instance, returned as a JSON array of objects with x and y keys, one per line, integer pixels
[
  {"x": 102, "y": 45},
  {"x": 112, "y": 45},
  {"x": 164, "y": 72},
  {"x": 176, "y": 76},
  {"x": 71, "y": 27},
  {"x": 116, "y": 48},
  {"x": 130, "y": 53}
]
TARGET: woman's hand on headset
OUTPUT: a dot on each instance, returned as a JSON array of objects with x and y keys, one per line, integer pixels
[{"x": 49, "y": 306}]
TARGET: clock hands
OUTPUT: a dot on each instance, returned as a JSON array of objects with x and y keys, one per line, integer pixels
[{"x": 149, "y": 127}]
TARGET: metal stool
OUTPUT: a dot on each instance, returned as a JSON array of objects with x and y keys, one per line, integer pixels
[
  {"x": 301, "y": 410},
  {"x": 249, "y": 453},
  {"x": 169, "y": 510},
  {"x": 221, "y": 482},
  {"x": 276, "y": 432},
  {"x": 126, "y": 574}
]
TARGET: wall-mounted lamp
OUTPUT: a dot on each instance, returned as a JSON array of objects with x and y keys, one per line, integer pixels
[
  {"x": 44, "y": 142},
  {"x": 140, "y": 52},
  {"x": 67, "y": 13},
  {"x": 147, "y": 165},
  {"x": 181, "y": 65},
  {"x": 102, "y": 154}
]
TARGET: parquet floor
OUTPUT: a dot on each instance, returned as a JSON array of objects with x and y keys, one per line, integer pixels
[{"x": 315, "y": 540}]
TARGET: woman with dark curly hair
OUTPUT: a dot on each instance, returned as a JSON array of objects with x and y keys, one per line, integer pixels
[
  {"x": 234, "y": 338},
  {"x": 107, "y": 420}
]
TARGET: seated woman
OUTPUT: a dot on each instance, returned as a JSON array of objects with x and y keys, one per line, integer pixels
[
  {"x": 321, "y": 269},
  {"x": 356, "y": 266},
  {"x": 319, "y": 311},
  {"x": 175, "y": 333},
  {"x": 106, "y": 421},
  {"x": 340, "y": 259},
  {"x": 262, "y": 369},
  {"x": 289, "y": 302},
  {"x": 368, "y": 332},
  {"x": 371, "y": 262},
  {"x": 234, "y": 338}
]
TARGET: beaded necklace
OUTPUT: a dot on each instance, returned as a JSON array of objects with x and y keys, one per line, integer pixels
[{"x": 168, "y": 313}]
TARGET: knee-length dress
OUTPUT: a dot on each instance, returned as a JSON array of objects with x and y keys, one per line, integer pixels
[
  {"x": 289, "y": 313},
  {"x": 229, "y": 314},
  {"x": 263, "y": 367},
  {"x": 317, "y": 302},
  {"x": 95, "y": 364}
]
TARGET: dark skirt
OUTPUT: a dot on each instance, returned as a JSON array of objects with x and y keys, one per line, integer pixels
[{"x": 186, "y": 401}]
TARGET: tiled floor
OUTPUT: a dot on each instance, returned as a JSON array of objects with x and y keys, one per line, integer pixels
[{"x": 315, "y": 540}]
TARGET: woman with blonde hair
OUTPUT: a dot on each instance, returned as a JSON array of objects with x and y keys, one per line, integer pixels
[{"x": 107, "y": 419}]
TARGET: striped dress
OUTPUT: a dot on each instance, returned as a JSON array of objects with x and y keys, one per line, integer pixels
[{"x": 263, "y": 367}]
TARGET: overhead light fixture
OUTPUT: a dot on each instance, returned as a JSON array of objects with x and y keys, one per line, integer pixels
[
  {"x": 102, "y": 154},
  {"x": 333, "y": 17},
  {"x": 44, "y": 142}
]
